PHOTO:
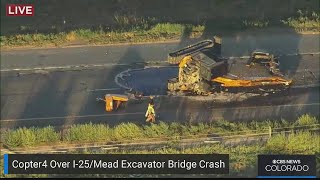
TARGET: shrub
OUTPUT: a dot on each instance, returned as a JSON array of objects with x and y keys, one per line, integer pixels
[
  {"x": 127, "y": 131},
  {"x": 303, "y": 142},
  {"x": 175, "y": 129},
  {"x": 156, "y": 130},
  {"x": 21, "y": 137},
  {"x": 306, "y": 119},
  {"x": 200, "y": 128},
  {"x": 276, "y": 144},
  {"x": 88, "y": 133},
  {"x": 46, "y": 135},
  {"x": 295, "y": 143}
]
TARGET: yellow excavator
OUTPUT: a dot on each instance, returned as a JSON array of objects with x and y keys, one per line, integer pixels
[{"x": 202, "y": 71}]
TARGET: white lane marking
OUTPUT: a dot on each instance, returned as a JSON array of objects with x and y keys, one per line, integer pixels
[
  {"x": 108, "y": 89},
  {"x": 64, "y": 67},
  {"x": 296, "y": 54},
  {"x": 286, "y": 105},
  {"x": 114, "y": 64},
  {"x": 292, "y": 54},
  {"x": 305, "y": 86},
  {"x": 136, "y": 113},
  {"x": 63, "y": 117}
]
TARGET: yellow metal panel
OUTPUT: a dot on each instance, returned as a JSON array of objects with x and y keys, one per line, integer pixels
[
  {"x": 118, "y": 98},
  {"x": 184, "y": 61},
  {"x": 261, "y": 57},
  {"x": 109, "y": 103},
  {"x": 227, "y": 82}
]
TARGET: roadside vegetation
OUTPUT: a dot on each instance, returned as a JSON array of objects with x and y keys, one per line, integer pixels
[
  {"x": 243, "y": 158},
  {"x": 132, "y": 29},
  {"x": 93, "y": 133}
]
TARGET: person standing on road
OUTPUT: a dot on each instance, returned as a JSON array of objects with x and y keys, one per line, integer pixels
[{"x": 150, "y": 114}]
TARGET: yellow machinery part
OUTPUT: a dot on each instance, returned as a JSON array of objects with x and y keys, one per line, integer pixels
[
  {"x": 227, "y": 82},
  {"x": 109, "y": 103},
  {"x": 111, "y": 99},
  {"x": 184, "y": 61},
  {"x": 261, "y": 57}
]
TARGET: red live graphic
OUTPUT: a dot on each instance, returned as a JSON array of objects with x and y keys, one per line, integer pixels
[{"x": 20, "y": 10}]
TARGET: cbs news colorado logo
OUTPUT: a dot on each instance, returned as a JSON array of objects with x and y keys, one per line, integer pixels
[{"x": 286, "y": 165}]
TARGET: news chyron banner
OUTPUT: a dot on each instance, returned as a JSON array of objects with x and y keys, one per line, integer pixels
[
  {"x": 116, "y": 164},
  {"x": 286, "y": 166}
]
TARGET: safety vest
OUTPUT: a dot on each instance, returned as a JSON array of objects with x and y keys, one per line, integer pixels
[{"x": 150, "y": 110}]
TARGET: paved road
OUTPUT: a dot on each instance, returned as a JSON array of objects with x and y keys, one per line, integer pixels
[
  {"x": 41, "y": 98},
  {"x": 236, "y": 45}
]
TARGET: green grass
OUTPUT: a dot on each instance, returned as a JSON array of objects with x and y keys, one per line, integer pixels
[
  {"x": 304, "y": 21},
  {"x": 31, "y": 137},
  {"x": 243, "y": 158},
  {"x": 127, "y": 131},
  {"x": 93, "y": 132},
  {"x": 306, "y": 120},
  {"x": 133, "y": 29},
  {"x": 27, "y": 137}
]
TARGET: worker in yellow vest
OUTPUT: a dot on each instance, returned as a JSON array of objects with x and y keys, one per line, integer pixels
[{"x": 150, "y": 114}]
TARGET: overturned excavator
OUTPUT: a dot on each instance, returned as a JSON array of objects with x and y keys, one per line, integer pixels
[{"x": 203, "y": 71}]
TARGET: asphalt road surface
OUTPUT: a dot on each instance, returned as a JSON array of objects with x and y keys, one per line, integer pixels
[
  {"x": 63, "y": 98},
  {"x": 236, "y": 45}
]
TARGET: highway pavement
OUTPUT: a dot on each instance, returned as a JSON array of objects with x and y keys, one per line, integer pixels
[
  {"x": 65, "y": 97},
  {"x": 235, "y": 45}
]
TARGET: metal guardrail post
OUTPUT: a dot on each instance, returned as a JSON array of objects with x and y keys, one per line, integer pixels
[{"x": 270, "y": 131}]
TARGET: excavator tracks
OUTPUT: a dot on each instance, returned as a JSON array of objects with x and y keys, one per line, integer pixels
[{"x": 176, "y": 56}]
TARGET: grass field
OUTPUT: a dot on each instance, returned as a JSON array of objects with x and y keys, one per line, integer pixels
[
  {"x": 147, "y": 33},
  {"x": 242, "y": 158},
  {"x": 31, "y": 137},
  {"x": 131, "y": 21}
]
